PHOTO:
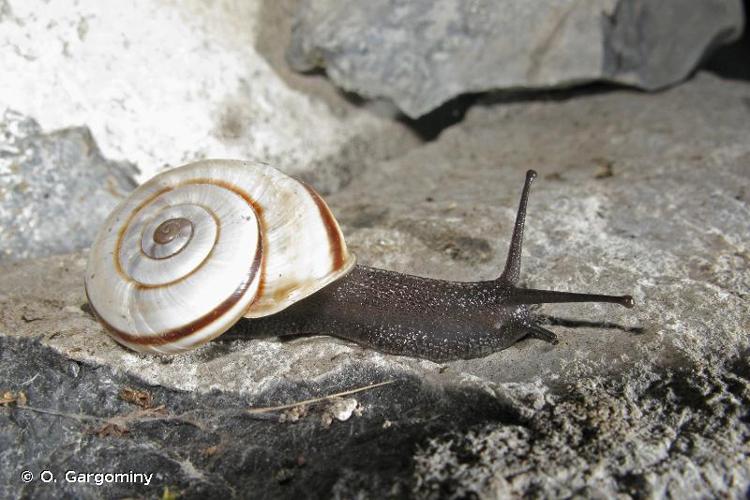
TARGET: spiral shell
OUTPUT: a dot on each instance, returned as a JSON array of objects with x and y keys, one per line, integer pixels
[{"x": 197, "y": 247}]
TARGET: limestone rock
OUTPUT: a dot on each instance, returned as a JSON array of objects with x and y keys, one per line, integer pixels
[
  {"x": 422, "y": 53},
  {"x": 55, "y": 188},
  {"x": 646, "y": 434},
  {"x": 199, "y": 445},
  {"x": 162, "y": 84},
  {"x": 637, "y": 193}
]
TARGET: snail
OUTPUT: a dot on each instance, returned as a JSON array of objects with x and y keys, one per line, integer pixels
[{"x": 198, "y": 247}]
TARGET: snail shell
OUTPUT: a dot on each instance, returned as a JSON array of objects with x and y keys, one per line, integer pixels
[{"x": 197, "y": 247}]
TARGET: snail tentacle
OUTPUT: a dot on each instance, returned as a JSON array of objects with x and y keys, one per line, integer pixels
[
  {"x": 512, "y": 271},
  {"x": 540, "y": 333}
]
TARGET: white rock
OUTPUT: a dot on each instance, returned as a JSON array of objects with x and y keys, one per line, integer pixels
[{"x": 162, "y": 83}]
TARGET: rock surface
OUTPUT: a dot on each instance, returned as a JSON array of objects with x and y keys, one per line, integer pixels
[
  {"x": 55, "y": 188},
  {"x": 650, "y": 434},
  {"x": 223, "y": 94},
  {"x": 420, "y": 54},
  {"x": 200, "y": 445},
  {"x": 646, "y": 194}
]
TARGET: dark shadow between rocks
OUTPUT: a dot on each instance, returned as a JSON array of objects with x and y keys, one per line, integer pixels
[
  {"x": 512, "y": 96},
  {"x": 733, "y": 61},
  {"x": 430, "y": 126},
  {"x": 427, "y": 127}
]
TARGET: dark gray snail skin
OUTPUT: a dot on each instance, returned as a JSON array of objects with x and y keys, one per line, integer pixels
[{"x": 422, "y": 317}]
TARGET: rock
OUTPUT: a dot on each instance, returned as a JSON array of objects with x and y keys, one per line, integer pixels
[
  {"x": 55, "y": 188},
  {"x": 649, "y": 434},
  {"x": 199, "y": 445},
  {"x": 637, "y": 193},
  {"x": 226, "y": 94},
  {"x": 654, "y": 44},
  {"x": 420, "y": 54}
]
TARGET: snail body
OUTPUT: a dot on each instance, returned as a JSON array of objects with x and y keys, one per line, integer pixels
[
  {"x": 409, "y": 315},
  {"x": 197, "y": 248}
]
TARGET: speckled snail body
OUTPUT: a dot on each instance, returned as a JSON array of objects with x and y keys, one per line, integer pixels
[{"x": 197, "y": 248}]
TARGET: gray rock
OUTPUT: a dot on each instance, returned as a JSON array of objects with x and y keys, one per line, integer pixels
[
  {"x": 655, "y": 43},
  {"x": 55, "y": 188},
  {"x": 229, "y": 94},
  {"x": 639, "y": 193},
  {"x": 420, "y": 54},
  {"x": 649, "y": 434},
  {"x": 78, "y": 418}
]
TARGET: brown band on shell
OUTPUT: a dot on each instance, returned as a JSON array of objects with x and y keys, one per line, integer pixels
[
  {"x": 335, "y": 240},
  {"x": 202, "y": 322},
  {"x": 193, "y": 326},
  {"x": 121, "y": 232},
  {"x": 261, "y": 224},
  {"x": 200, "y": 180}
]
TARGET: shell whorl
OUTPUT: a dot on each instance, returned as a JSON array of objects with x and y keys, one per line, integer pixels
[{"x": 197, "y": 247}]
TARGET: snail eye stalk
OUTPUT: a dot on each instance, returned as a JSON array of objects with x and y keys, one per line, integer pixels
[
  {"x": 511, "y": 274},
  {"x": 512, "y": 271}
]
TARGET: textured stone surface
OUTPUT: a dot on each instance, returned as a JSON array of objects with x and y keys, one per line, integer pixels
[
  {"x": 646, "y": 194},
  {"x": 650, "y": 434},
  {"x": 420, "y": 54},
  {"x": 55, "y": 188},
  {"x": 199, "y": 444},
  {"x": 165, "y": 83}
]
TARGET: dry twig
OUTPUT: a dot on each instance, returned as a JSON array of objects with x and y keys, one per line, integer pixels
[{"x": 268, "y": 409}]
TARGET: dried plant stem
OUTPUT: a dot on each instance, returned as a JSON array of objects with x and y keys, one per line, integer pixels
[
  {"x": 160, "y": 414},
  {"x": 268, "y": 409}
]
